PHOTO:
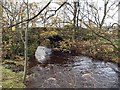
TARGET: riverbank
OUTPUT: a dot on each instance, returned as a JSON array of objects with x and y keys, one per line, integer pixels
[
  {"x": 96, "y": 50},
  {"x": 11, "y": 79}
]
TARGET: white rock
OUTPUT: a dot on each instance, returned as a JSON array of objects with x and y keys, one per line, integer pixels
[{"x": 42, "y": 53}]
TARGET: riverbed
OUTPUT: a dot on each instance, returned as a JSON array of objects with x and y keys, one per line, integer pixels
[{"x": 64, "y": 70}]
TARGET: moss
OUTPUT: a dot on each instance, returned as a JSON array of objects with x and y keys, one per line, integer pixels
[{"x": 11, "y": 79}]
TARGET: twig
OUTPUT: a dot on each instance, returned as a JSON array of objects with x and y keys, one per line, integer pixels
[{"x": 27, "y": 20}]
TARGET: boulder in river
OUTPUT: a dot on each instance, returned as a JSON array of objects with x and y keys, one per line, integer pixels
[{"x": 42, "y": 54}]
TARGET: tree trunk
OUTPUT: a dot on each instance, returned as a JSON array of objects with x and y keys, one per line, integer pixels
[
  {"x": 1, "y": 12},
  {"x": 75, "y": 18},
  {"x": 26, "y": 47},
  {"x": 75, "y": 12}
]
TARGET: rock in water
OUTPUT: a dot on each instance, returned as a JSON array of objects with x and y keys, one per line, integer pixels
[{"x": 42, "y": 54}]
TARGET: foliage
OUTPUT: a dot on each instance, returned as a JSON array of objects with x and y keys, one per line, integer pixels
[
  {"x": 97, "y": 49},
  {"x": 12, "y": 44},
  {"x": 72, "y": 34},
  {"x": 88, "y": 42},
  {"x": 13, "y": 28},
  {"x": 66, "y": 45}
]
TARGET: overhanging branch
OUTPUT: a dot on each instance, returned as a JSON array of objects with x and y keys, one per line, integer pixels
[
  {"x": 103, "y": 37},
  {"x": 55, "y": 10},
  {"x": 27, "y": 20}
]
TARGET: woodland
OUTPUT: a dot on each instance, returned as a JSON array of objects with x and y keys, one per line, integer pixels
[{"x": 79, "y": 27}]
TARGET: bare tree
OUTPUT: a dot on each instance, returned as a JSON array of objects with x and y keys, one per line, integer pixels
[
  {"x": 98, "y": 21},
  {"x": 26, "y": 43}
]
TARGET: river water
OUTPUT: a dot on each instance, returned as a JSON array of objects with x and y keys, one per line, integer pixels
[{"x": 63, "y": 70}]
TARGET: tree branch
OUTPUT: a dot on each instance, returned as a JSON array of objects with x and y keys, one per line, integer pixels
[
  {"x": 55, "y": 10},
  {"x": 103, "y": 37},
  {"x": 5, "y": 8},
  {"x": 27, "y": 20},
  {"x": 105, "y": 12}
]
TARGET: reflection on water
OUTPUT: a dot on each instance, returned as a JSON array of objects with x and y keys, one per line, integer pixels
[{"x": 63, "y": 70}]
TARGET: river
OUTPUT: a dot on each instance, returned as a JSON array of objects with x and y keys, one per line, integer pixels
[{"x": 64, "y": 70}]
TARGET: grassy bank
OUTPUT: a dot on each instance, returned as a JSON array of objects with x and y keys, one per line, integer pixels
[{"x": 11, "y": 79}]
